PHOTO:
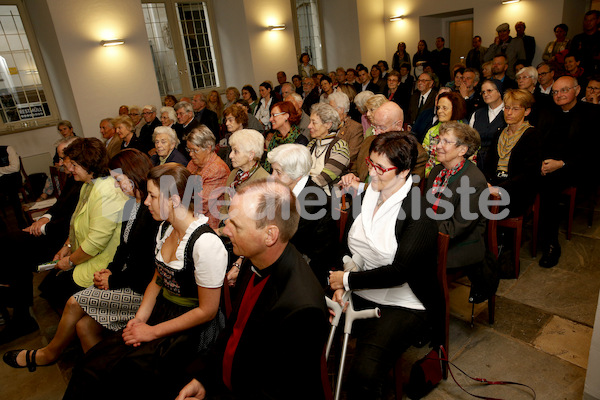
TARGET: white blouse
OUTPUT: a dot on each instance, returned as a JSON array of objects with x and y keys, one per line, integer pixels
[
  {"x": 373, "y": 237},
  {"x": 210, "y": 256}
]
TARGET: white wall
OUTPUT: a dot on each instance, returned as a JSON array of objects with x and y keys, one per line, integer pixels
[
  {"x": 271, "y": 51},
  {"x": 232, "y": 30},
  {"x": 103, "y": 78},
  {"x": 342, "y": 41}
]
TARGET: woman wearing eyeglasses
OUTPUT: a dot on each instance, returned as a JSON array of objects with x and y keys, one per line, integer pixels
[
  {"x": 592, "y": 91},
  {"x": 457, "y": 143},
  {"x": 450, "y": 107},
  {"x": 393, "y": 246},
  {"x": 209, "y": 166},
  {"x": 513, "y": 161},
  {"x": 284, "y": 120},
  {"x": 489, "y": 121}
]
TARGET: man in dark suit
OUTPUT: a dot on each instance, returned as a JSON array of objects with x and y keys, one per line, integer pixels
[
  {"x": 149, "y": 115},
  {"x": 23, "y": 251},
  {"x": 205, "y": 116},
  {"x": 272, "y": 345},
  {"x": 440, "y": 58},
  {"x": 310, "y": 94},
  {"x": 281, "y": 78},
  {"x": 423, "y": 99},
  {"x": 570, "y": 127},
  {"x": 187, "y": 122},
  {"x": 364, "y": 81}
]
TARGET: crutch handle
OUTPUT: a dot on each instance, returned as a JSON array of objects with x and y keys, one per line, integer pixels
[{"x": 337, "y": 309}]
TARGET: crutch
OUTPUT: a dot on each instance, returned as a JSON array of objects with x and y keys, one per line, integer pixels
[{"x": 351, "y": 316}]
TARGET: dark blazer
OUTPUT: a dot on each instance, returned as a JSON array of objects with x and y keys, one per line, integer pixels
[
  {"x": 175, "y": 157},
  {"x": 183, "y": 131},
  {"x": 317, "y": 237},
  {"x": 146, "y": 134},
  {"x": 413, "y": 107},
  {"x": 208, "y": 118},
  {"x": 310, "y": 99},
  {"x": 567, "y": 135},
  {"x": 134, "y": 143},
  {"x": 133, "y": 264},
  {"x": 467, "y": 244},
  {"x": 289, "y": 320},
  {"x": 63, "y": 209},
  {"x": 415, "y": 261},
  {"x": 523, "y": 170},
  {"x": 371, "y": 86}
]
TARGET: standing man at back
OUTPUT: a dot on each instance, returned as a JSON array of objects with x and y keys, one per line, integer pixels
[{"x": 506, "y": 45}]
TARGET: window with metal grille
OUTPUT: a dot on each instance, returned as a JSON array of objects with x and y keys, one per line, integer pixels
[
  {"x": 25, "y": 97},
  {"x": 309, "y": 31},
  {"x": 182, "y": 46}
]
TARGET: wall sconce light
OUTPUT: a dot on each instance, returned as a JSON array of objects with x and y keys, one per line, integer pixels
[
  {"x": 276, "y": 27},
  {"x": 397, "y": 18},
  {"x": 112, "y": 42},
  {"x": 510, "y": 1}
]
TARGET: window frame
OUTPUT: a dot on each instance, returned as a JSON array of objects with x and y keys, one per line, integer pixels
[
  {"x": 7, "y": 128},
  {"x": 299, "y": 49},
  {"x": 179, "y": 49}
]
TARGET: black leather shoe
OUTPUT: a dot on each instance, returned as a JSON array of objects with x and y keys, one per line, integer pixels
[{"x": 551, "y": 256}]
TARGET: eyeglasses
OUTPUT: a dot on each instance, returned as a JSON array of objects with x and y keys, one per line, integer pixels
[
  {"x": 444, "y": 108},
  {"x": 564, "y": 90},
  {"x": 488, "y": 91},
  {"x": 446, "y": 142},
  {"x": 195, "y": 151},
  {"x": 592, "y": 88},
  {"x": 378, "y": 169},
  {"x": 278, "y": 114},
  {"x": 543, "y": 73},
  {"x": 424, "y": 80},
  {"x": 385, "y": 128},
  {"x": 147, "y": 113}
]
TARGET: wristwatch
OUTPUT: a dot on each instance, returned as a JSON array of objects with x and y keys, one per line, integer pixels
[{"x": 71, "y": 263}]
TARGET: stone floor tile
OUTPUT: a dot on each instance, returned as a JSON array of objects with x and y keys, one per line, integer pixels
[{"x": 565, "y": 339}]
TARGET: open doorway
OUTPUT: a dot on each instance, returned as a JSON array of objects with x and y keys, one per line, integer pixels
[
  {"x": 461, "y": 35},
  {"x": 455, "y": 26}
]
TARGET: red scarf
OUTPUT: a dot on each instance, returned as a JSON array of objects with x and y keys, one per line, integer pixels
[{"x": 441, "y": 181}]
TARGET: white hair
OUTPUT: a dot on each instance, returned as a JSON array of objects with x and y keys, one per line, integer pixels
[
  {"x": 361, "y": 99},
  {"x": 529, "y": 71},
  {"x": 295, "y": 159},
  {"x": 248, "y": 140},
  {"x": 170, "y": 113},
  {"x": 165, "y": 130},
  {"x": 341, "y": 100}
]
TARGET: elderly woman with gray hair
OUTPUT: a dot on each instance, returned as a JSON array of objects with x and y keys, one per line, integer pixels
[
  {"x": 349, "y": 130},
  {"x": 210, "y": 167},
  {"x": 330, "y": 154},
  {"x": 316, "y": 238},
  {"x": 361, "y": 105},
  {"x": 466, "y": 225},
  {"x": 247, "y": 148},
  {"x": 168, "y": 117},
  {"x": 165, "y": 140}
]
